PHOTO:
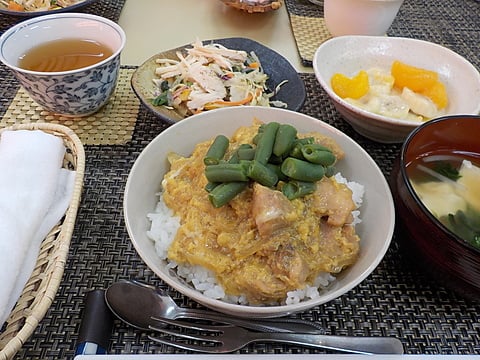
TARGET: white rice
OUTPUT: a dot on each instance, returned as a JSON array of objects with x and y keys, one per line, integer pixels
[{"x": 164, "y": 226}]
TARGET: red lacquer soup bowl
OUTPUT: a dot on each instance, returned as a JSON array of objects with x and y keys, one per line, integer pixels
[{"x": 430, "y": 243}]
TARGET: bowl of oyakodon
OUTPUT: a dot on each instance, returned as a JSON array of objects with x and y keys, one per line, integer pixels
[{"x": 258, "y": 212}]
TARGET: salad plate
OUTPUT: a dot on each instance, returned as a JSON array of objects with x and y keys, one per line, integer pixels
[
  {"x": 4, "y": 9},
  {"x": 275, "y": 66}
]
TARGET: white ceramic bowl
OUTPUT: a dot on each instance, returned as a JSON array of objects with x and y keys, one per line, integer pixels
[
  {"x": 360, "y": 17},
  {"x": 350, "y": 54},
  {"x": 71, "y": 93},
  {"x": 146, "y": 174}
]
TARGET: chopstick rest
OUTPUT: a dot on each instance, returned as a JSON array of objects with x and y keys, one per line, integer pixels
[{"x": 34, "y": 194}]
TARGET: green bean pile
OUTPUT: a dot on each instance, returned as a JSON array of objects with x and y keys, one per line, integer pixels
[{"x": 276, "y": 158}]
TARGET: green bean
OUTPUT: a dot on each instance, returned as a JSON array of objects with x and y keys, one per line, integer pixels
[
  {"x": 315, "y": 147},
  {"x": 246, "y": 152},
  {"x": 259, "y": 133},
  {"x": 245, "y": 146},
  {"x": 330, "y": 171},
  {"x": 284, "y": 139},
  {"x": 295, "y": 189},
  {"x": 306, "y": 140},
  {"x": 225, "y": 192},
  {"x": 234, "y": 159},
  {"x": 210, "y": 186},
  {"x": 296, "y": 150},
  {"x": 276, "y": 169},
  {"x": 217, "y": 150},
  {"x": 262, "y": 174},
  {"x": 302, "y": 170},
  {"x": 256, "y": 138},
  {"x": 225, "y": 172},
  {"x": 274, "y": 159},
  {"x": 245, "y": 165},
  {"x": 265, "y": 143},
  {"x": 318, "y": 154}
]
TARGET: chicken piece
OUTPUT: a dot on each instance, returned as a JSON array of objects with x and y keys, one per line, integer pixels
[
  {"x": 339, "y": 248},
  {"x": 200, "y": 98},
  {"x": 288, "y": 265},
  {"x": 271, "y": 210},
  {"x": 334, "y": 201},
  {"x": 256, "y": 281},
  {"x": 207, "y": 79}
]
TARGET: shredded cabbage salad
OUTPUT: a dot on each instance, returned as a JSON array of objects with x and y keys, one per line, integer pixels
[
  {"x": 38, "y": 5},
  {"x": 211, "y": 76}
]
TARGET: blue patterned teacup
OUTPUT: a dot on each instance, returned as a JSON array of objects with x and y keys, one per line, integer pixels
[{"x": 79, "y": 92}]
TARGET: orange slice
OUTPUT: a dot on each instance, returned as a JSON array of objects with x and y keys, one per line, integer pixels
[
  {"x": 416, "y": 79},
  {"x": 437, "y": 93},
  {"x": 353, "y": 88}
]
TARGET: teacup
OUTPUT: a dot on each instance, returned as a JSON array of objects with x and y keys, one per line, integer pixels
[
  {"x": 360, "y": 17},
  {"x": 78, "y": 92}
]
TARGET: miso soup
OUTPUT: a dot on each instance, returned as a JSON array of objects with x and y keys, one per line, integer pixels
[
  {"x": 64, "y": 55},
  {"x": 449, "y": 186}
]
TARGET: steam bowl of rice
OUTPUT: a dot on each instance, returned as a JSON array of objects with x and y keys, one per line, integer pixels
[
  {"x": 152, "y": 225},
  {"x": 436, "y": 187}
]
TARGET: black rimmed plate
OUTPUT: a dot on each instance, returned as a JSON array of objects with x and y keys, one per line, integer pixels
[
  {"x": 4, "y": 10},
  {"x": 274, "y": 65}
]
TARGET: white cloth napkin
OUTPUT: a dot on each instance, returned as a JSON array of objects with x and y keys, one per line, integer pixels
[{"x": 34, "y": 194}]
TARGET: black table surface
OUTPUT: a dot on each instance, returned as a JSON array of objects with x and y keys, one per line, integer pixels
[{"x": 397, "y": 299}]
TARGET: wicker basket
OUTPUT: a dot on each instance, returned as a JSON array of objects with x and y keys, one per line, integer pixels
[
  {"x": 43, "y": 284},
  {"x": 252, "y": 6}
]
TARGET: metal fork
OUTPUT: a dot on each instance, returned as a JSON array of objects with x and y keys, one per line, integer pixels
[{"x": 229, "y": 338}]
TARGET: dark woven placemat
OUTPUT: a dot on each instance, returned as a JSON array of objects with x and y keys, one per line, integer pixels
[
  {"x": 447, "y": 22},
  {"x": 395, "y": 300}
]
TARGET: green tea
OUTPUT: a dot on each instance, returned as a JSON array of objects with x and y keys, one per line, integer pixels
[{"x": 64, "y": 55}]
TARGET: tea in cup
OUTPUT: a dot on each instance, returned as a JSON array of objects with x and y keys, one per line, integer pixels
[{"x": 68, "y": 63}]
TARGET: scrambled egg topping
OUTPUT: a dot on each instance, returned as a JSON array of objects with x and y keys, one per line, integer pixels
[{"x": 261, "y": 245}]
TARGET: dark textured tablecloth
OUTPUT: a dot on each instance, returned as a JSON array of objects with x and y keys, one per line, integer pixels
[{"x": 395, "y": 300}]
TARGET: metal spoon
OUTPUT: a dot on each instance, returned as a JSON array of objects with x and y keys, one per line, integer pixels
[{"x": 136, "y": 303}]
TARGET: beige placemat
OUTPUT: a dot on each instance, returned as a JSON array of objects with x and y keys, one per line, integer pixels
[
  {"x": 309, "y": 33},
  {"x": 112, "y": 125}
]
